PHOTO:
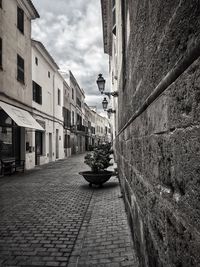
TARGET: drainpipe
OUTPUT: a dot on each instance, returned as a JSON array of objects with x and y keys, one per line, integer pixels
[{"x": 53, "y": 137}]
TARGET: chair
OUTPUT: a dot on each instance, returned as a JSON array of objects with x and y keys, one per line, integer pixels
[
  {"x": 19, "y": 165},
  {"x": 7, "y": 167}
]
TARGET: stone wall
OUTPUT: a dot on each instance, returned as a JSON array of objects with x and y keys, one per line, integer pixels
[{"x": 158, "y": 149}]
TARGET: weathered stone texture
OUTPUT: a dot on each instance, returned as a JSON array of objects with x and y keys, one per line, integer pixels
[
  {"x": 161, "y": 33},
  {"x": 159, "y": 152}
]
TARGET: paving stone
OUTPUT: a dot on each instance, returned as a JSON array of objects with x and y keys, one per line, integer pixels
[
  {"x": 46, "y": 215},
  {"x": 105, "y": 237},
  {"x": 40, "y": 213},
  {"x": 51, "y": 263}
]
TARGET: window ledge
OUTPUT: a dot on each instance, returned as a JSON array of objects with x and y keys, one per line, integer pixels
[
  {"x": 37, "y": 103},
  {"x": 20, "y": 31},
  {"x": 20, "y": 81}
]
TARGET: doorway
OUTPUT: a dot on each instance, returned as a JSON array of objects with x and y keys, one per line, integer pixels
[
  {"x": 50, "y": 147},
  {"x": 57, "y": 144},
  {"x": 38, "y": 147}
]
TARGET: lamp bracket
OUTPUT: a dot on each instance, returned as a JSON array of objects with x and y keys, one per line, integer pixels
[
  {"x": 115, "y": 94},
  {"x": 111, "y": 110}
]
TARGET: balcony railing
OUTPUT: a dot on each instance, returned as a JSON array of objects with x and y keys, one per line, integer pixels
[{"x": 80, "y": 128}]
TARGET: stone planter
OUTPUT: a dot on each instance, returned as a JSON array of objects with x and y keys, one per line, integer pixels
[{"x": 96, "y": 178}]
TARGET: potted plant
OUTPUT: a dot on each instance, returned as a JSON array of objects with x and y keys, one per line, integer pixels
[{"x": 98, "y": 160}]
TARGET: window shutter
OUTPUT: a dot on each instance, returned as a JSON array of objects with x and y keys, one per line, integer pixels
[
  {"x": 40, "y": 94},
  {"x": 20, "y": 68},
  {"x": 0, "y": 52},
  {"x": 113, "y": 17},
  {"x": 34, "y": 92},
  {"x": 20, "y": 19},
  {"x": 37, "y": 93}
]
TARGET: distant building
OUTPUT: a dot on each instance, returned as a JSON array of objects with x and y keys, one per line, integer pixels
[
  {"x": 102, "y": 129},
  {"x": 67, "y": 118},
  {"x": 78, "y": 124},
  {"x": 88, "y": 125}
]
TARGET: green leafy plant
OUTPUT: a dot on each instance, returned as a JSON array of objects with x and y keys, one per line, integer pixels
[{"x": 99, "y": 158}]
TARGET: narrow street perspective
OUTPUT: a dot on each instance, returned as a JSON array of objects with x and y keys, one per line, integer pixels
[
  {"x": 51, "y": 217},
  {"x": 100, "y": 133}
]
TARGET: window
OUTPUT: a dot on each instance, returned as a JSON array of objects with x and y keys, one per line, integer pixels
[
  {"x": 37, "y": 93},
  {"x": 20, "y": 69},
  {"x": 20, "y": 19},
  {"x": 39, "y": 143},
  {"x": 78, "y": 102},
  {"x": 36, "y": 61},
  {"x": 59, "y": 97},
  {"x": 113, "y": 17},
  {"x": 73, "y": 118},
  {"x": 67, "y": 141},
  {"x": 72, "y": 93},
  {"x": 1, "y": 53},
  {"x": 67, "y": 117},
  {"x": 93, "y": 130},
  {"x": 49, "y": 74},
  {"x": 79, "y": 120}
]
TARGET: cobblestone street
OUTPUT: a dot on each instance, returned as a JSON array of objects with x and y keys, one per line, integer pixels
[{"x": 51, "y": 217}]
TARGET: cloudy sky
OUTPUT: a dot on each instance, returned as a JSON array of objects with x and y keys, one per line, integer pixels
[{"x": 71, "y": 30}]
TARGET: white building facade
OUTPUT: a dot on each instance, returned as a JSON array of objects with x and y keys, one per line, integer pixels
[{"x": 47, "y": 102}]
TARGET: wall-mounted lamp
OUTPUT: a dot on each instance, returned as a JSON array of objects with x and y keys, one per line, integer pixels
[
  {"x": 109, "y": 111},
  {"x": 105, "y": 103},
  {"x": 101, "y": 85}
]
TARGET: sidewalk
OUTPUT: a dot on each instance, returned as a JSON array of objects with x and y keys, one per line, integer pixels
[
  {"x": 51, "y": 217},
  {"x": 104, "y": 238}
]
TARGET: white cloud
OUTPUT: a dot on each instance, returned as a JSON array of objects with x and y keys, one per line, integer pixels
[{"x": 71, "y": 31}]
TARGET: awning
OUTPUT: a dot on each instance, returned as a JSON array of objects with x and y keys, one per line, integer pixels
[{"x": 21, "y": 117}]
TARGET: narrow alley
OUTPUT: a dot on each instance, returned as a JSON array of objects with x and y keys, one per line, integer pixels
[{"x": 51, "y": 217}]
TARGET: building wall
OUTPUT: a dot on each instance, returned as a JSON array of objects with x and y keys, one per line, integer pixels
[
  {"x": 158, "y": 150},
  {"x": 40, "y": 76},
  {"x": 66, "y": 105},
  {"x": 78, "y": 137},
  {"x": 49, "y": 113},
  {"x": 14, "y": 42},
  {"x": 100, "y": 129}
]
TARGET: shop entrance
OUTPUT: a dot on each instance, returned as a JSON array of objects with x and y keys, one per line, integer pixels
[
  {"x": 38, "y": 147},
  {"x": 10, "y": 137}
]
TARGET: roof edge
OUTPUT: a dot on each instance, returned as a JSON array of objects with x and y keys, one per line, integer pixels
[{"x": 40, "y": 44}]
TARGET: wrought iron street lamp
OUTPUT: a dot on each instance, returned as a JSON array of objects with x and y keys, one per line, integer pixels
[
  {"x": 105, "y": 103},
  {"x": 109, "y": 111},
  {"x": 101, "y": 85}
]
